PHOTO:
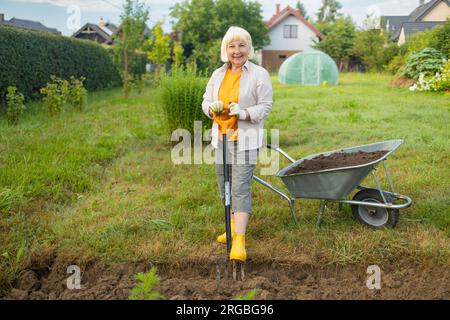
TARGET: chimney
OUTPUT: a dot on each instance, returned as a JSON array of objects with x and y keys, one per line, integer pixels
[
  {"x": 101, "y": 23},
  {"x": 2, "y": 17},
  {"x": 278, "y": 8}
]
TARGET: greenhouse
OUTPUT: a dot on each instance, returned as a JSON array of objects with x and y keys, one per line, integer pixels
[{"x": 309, "y": 68}]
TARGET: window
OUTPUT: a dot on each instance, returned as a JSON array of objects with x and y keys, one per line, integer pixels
[
  {"x": 282, "y": 56},
  {"x": 290, "y": 31}
]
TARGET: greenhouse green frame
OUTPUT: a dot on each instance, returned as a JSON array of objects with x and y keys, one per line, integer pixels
[{"x": 312, "y": 68}]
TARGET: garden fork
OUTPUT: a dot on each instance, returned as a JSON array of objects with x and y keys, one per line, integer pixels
[{"x": 237, "y": 266}]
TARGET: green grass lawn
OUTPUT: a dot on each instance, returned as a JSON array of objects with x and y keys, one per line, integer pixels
[{"x": 100, "y": 185}]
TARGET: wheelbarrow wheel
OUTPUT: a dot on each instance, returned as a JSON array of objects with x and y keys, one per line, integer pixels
[{"x": 375, "y": 218}]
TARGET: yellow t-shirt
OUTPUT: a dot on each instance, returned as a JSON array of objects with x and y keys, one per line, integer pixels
[{"x": 229, "y": 92}]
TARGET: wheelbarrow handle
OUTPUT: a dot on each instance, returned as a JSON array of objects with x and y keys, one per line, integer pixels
[{"x": 278, "y": 149}]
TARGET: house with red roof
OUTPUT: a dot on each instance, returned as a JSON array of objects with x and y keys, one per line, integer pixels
[{"x": 289, "y": 33}]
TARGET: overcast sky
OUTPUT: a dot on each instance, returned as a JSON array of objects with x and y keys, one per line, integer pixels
[{"x": 63, "y": 14}]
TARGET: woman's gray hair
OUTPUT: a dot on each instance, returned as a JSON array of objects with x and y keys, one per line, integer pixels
[{"x": 236, "y": 33}]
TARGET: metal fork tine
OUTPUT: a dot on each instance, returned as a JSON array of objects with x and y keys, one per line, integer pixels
[
  {"x": 218, "y": 274},
  {"x": 226, "y": 270}
]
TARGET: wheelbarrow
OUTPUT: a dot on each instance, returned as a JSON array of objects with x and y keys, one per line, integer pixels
[{"x": 373, "y": 207}]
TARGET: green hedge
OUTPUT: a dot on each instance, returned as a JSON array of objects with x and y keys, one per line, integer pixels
[{"x": 28, "y": 58}]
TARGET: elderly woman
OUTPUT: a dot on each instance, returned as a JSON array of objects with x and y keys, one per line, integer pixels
[{"x": 243, "y": 89}]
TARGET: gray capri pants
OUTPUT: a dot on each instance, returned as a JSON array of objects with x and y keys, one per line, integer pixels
[{"x": 242, "y": 166}]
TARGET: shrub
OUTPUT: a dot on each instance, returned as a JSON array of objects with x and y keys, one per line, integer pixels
[
  {"x": 55, "y": 95},
  {"x": 439, "y": 82},
  {"x": 437, "y": 38},
  {"x": 441, "y": 38},
  {"x": 369, "y": 45},
  {"x": 29, "y": 58},
  {"x": 77, "y": 93},
  {"x": 182, "y": 95},
  {"x": 427, "y": 61},
  {"x": 396, "y": 65},
  {"x": 15, "y": 106}
]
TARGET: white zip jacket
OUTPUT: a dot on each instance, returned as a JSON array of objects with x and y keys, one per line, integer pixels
[{"x": 255, "y": 96}]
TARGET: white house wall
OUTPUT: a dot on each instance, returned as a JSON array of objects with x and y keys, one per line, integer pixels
[{"x": 304, "y": 41}]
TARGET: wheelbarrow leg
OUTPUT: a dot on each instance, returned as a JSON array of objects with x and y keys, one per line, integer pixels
[
  {"x": 291, "y": 201},
  {"x": 322, "y": 209},
  {"x": 292, "y": 207}
]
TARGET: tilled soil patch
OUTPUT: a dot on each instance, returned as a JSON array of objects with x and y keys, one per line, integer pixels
[
  {"x": 272, "y": 280},
  {"x": 336, "y": 160}
]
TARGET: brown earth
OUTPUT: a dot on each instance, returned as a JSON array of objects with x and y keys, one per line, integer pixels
[
  {"x": 402, "y": 82},
  {"x": 336, "y": 160},
  {"x": 294, "y": 281}
]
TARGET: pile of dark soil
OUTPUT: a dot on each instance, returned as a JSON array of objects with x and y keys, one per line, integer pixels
[{"x": 336, "y": 160}]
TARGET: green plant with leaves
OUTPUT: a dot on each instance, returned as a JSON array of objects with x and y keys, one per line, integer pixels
[
  {"x": 138, "y": 82},
  {"x": 55, "y": 95},
  {"x": 441, "y": 38},
  {"x": 129, "y": 39},
  {"x": 437, "y": 38},
  {"x": 208, "y": 51},
  {"x": 371, "y": 46},
  {"x": 182, "y": 96},
  {"x": 29, "y": 58},
  {"x": 177, "y": 54},
  {"x": 438, "y": 82},
  {"x": 159, "y": 47},
  {"x": 396, "y": 65},
  {"x": 77, "y": 93},
  {"x": 248, "y": 296},
  {"x": 11, "y": 262},
  {"x": 339, "y": 41},
  {"x": 204, "y": 22},
  {"x": 144, "y": 290},
  {"x": 427, "y": 62},
  {"x": 329, "y": 11},
  {"x": 14, "y": 106},
  {"x": 301, "y": 7}
]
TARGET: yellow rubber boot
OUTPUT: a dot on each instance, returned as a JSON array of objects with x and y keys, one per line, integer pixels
[
  {"x": 223, "y": 237},
  {"x": 238, "y": 251}
]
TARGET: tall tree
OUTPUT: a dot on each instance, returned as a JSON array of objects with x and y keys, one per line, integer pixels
[
  {"x": 328, "y": 12},
  {"x": 339, "y": 41},
  {"x": 372, "y": 47},
  {"x": 159, "y": 46},
  {"x": 130, "y": 38},
  {"x": 301, "y": 7},
  {"x": 203, "y": 23}
]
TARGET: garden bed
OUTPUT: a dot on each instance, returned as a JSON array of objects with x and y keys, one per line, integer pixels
[{"x": 47, "y": 279}]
